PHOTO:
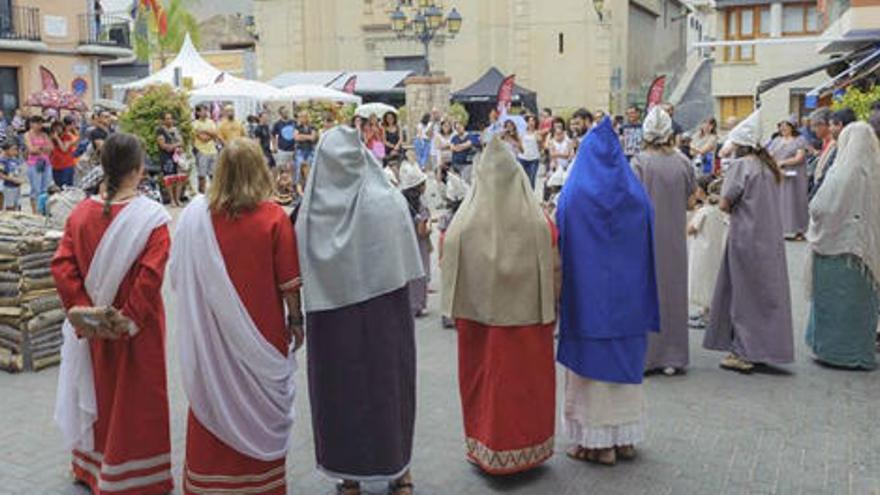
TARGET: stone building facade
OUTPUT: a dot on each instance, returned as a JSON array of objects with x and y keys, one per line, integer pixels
[{"x": 563, "y": 49}]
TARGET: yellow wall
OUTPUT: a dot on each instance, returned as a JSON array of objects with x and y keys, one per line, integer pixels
[
  {"x": 65, "y": 67},
  {"x": 60, "y": 27},
  {"x": 517, "y": 36},
  {"x": 227, "y": 61},
  {"x": 67, "y": 13}
]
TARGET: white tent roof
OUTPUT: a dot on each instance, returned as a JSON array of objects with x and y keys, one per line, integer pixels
[
  {"x": 317, "y": 78},
  {"x": 368, "y": 81},
  {"x": 233, "y": 89},
  {"x": 191, "y": 65},
  {"x": 374, "y": 81},
  {"x": 312, "y": 92}
]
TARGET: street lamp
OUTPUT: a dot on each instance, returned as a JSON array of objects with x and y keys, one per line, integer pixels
[
  {"x": 426, "y": 24},
  {"x": 599, "y": 6},
  {"x": 453, "y": 21},
  {"x": 398, "y": 20}
]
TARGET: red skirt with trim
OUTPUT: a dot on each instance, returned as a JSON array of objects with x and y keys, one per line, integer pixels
[
  {"x": 142, "y": 476},
  {"x": 507, "y": 380},
  {"x": 213, "y": 467}
]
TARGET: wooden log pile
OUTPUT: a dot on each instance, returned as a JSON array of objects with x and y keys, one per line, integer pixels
[{"x": 31, "y": 313}]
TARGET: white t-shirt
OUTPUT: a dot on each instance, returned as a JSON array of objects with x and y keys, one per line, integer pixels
[
  {"x": 422, "y": 131},
  {"x": 560, "y": 147},
  {"x": 531, "y": 151}
]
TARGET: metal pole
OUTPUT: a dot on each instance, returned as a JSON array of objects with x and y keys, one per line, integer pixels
[{"x": 426, "y": 42}]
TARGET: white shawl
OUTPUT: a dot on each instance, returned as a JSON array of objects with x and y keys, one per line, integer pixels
[
  {"x": 239, "y": 386},
  {"x": 76, "y": 408},
  {"x": 845, "y": 213}
]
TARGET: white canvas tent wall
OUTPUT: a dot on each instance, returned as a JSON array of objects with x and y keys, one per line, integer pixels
[
  {"x": 191, "y": 65},
  {"x": 245, "y": 95}
]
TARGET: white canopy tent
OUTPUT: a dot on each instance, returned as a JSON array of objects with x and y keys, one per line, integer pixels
[
  {"x": 245, "y": 95},
  {"x": 192, "y": 66},
  {"x": 318, "y": 78},
  {"x": 300, "y": 93}
]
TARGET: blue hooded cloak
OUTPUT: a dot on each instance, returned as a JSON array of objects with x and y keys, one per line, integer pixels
[{"x": 609, "y": 288}]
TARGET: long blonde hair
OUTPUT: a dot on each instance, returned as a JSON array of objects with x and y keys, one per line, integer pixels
[{"x": 242, "y": 180}]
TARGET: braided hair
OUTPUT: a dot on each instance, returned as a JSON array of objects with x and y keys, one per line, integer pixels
[
  {"x": 121, "y": 155},
  {"x": 763, "y": 155}
]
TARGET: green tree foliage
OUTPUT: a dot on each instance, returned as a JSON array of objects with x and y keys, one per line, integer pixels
[
  {"x": 145, "y": 113},
  {"x": 318, "y": 111},
  {"x": 859, "y": 100},
  {"x": 148, "y": 43},
  {"x": 458, "y": 113}
]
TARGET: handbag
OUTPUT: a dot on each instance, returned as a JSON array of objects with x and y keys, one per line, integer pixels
[
  {"x": 185, "y": 163},
  {"x": 41, "y": 165}
]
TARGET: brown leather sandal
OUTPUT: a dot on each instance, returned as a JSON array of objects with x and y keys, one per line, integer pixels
[
  {"x": 403, "y": 486},
  {"x": 626, "y": 452},
  {"x": 348, "y": 488},
  {"x": 578, "y": 453},
  {"x": 603, "y": 457}
]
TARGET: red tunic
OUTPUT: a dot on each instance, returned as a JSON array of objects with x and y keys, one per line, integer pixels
[
  {"x": 131, "y": 435},
  {"x": 259, "y": 248}
]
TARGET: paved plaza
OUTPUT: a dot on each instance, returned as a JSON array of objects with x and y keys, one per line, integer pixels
[{"x": 803, "y": 429}]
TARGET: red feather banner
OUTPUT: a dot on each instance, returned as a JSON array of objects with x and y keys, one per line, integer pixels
[
  {"x": 48, "y": 79},
  {"x": 163, "y": 23},
  {"x": 159, "y": 15},
  {"x": 505, "y": 93},
  {"x": 655, "y": 92},
  {"x": 350, "y": 85}
]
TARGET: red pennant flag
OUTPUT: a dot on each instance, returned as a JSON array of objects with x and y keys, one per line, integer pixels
[
  {"x": 655, "y": 93},
  {"x": 505, "y": 93},
  {"x": 48, "y": 79},
  {"x": 349, "y": 85}
]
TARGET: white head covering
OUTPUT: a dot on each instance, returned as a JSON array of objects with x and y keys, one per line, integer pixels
[
  {"x": 411, "y": 176},
  {"x": 657, "y": 127},
  {"x": 456, "y": 189},
  {"x": 354, "y": 230},
  {"x": 498, "y": 261},
  {"x": 748, "y": 132},
  {"x": 845, "y": 213},
  {"x": 557, "y": 179}
]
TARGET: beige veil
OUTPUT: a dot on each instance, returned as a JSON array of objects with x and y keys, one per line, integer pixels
[{"x": 498, "y": 262}]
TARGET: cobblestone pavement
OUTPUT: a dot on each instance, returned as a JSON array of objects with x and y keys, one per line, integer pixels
[{"x": 803, "y": 429}]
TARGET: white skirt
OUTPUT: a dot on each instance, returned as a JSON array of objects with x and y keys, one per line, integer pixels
[{"x": 600, "y": 415}]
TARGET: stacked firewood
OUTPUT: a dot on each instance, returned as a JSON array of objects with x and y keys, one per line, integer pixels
[{"x": 31, "y": 313}]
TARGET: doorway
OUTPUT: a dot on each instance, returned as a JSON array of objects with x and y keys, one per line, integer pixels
[{"x": 9, "y": 90}]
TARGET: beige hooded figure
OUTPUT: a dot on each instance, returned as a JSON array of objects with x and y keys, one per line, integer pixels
[{"x": 498, "y": 274}]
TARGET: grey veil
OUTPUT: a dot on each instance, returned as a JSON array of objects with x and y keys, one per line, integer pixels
[{"x": 355, "y": 236}]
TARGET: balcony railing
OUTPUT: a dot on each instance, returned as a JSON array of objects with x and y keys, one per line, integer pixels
[
  {"x": 105, "y": 30},
  {"x": 20, "y": 23}
]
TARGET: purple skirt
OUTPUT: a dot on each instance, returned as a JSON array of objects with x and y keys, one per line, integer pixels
[{"x": 362, "y": 387}]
